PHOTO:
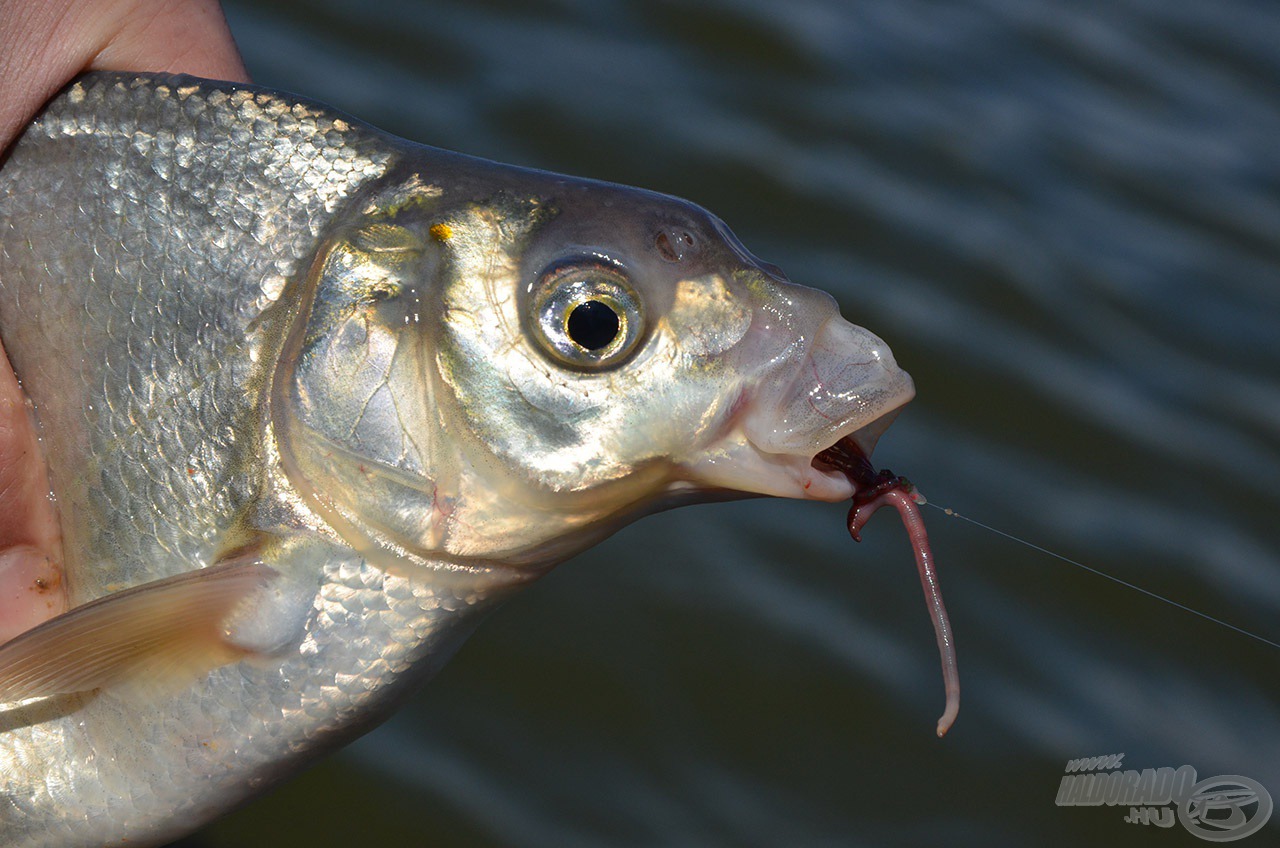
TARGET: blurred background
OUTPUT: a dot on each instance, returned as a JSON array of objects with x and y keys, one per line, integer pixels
[{"x": 1064, "y": 217}]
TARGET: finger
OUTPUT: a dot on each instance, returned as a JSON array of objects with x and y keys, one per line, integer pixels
[{"x": 43, "y": 45}]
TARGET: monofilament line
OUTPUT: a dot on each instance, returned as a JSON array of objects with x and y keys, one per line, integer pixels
[{"x": 1112, "y": 578}]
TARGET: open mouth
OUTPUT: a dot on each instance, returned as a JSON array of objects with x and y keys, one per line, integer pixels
[
  {"x": 848, "y": 461},
  {"x": 847, "y": 457},
  {"x": 834, "y": 474},
  {"x": 850, "y": 458}
]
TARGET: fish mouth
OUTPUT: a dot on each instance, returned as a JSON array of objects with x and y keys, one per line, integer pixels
[
  {"x": 840, "y": 383},
  {"x": 743, "y": 467},
  {"x": 850, "y": 455}
]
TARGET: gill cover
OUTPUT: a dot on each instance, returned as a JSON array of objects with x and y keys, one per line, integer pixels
[{"x": 353, "y": 401}]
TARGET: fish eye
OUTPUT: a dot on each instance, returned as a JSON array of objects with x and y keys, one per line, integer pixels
[{"x": 586, "y": 315}]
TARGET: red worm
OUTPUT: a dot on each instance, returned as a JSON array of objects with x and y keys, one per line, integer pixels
[
  {"x": 899, "y": 498},
  {"x": 877, "y": 489}
]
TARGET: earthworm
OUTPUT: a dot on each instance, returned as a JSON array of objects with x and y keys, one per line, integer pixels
[{"x": 874, "y": 490}]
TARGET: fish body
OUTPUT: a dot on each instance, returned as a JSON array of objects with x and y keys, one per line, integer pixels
[{"x": 366, "y": 387}]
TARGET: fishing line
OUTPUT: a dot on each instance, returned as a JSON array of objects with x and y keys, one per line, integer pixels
[{"x": 1092, "y": 570}]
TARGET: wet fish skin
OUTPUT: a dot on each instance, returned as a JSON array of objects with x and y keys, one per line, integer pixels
[{"x": 253, "y": 327}]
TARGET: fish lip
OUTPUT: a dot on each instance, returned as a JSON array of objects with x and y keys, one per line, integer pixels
[{"x": 745, "y": 469}]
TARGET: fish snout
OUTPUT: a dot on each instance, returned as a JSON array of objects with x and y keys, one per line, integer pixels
[
  {"x": 846, "y": 381},
  {"x": 834, "y": 379}
]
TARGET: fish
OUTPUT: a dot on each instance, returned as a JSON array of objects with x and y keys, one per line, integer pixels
[{"x": 313, "y": 398}]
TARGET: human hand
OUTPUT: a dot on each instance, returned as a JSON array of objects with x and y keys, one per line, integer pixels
[{"x": 43, "y": 45}]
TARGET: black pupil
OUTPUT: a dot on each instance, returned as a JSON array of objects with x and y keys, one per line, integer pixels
[{"x": 593, "y": 325}]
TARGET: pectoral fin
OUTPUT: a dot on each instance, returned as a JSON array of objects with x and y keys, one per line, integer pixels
[{"x": 155, "y": 629}]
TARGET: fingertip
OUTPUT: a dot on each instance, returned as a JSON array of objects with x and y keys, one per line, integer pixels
[{"x": 161, "y": 36}]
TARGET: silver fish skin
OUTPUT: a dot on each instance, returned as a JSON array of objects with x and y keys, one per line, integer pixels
[{"x": 399, "y": 382}]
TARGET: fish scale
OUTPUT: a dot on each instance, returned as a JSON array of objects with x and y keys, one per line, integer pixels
[
  {"x": 290, "y": 380},
  {"x": 164, "y": 317},
  {"x": 186, "y": 344}
]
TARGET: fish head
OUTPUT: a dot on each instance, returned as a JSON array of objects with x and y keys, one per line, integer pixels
[{"x": 510, "y": 371}]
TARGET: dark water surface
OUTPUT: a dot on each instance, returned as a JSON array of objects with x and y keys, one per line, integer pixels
[{"x": 1065, "y": 219}]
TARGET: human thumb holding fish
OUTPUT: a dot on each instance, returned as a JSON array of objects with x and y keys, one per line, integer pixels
[{"x": 43, "y": 45}]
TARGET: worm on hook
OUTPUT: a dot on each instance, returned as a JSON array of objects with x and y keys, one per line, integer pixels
[{"x": 874, "y": 489}]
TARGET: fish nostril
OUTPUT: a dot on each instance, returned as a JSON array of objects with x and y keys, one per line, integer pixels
[{"x": 675, "y": 245}]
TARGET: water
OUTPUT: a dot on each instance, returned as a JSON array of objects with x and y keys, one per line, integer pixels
[{"x": 1063, "y": 216}]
